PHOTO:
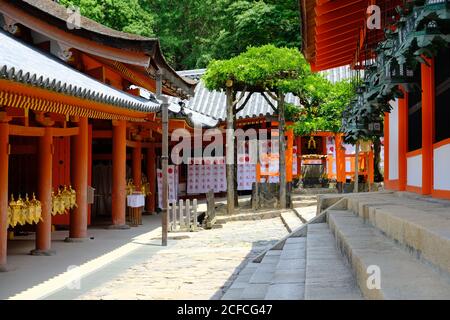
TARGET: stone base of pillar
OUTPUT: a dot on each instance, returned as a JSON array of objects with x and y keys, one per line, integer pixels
[
  {"x": 118, "y": 227},
  {"x": 76, "y": 240},
  {"x": 7, "y": 268},
  {"x": 46, "y": 253}
]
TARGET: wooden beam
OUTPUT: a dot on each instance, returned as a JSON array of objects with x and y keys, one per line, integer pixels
[{"x": 102, "y": 134}]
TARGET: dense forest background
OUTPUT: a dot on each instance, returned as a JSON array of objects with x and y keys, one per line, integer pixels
[{"x": 194, "y": 32}]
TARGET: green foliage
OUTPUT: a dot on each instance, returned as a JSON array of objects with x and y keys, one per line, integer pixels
[
  {"x": 421, "y": 31},
  {"x": 259, "y": 69},
  {"x": 195, "y": 32},
  {"x": 323, "y": 105},
  {"x": 123, "y": 15},
  {"x": 285, "y": 70}
]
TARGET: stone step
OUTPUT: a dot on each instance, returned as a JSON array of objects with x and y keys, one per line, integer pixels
[
  {"x": 288, "y": 281},
  {"x": 241, "y": 282},
  {"x": 253, "y": 280},
  {"x": 303, "y": 197},
  {"x": 419, "y": 225},
  {"x": 402, "y": 275},
  {"x": 328, "y": 276},
  {"x": 314, "y": 191},
  {"x": 306, "y": 214},
  {"x": 304, "y": 203},
  {"x": 291, "y": 220}
]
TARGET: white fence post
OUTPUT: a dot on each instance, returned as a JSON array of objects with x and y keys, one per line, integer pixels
[
  {"x": 194, "y": 204},
  {"x": 188, "y": 214},
  {"x": 181, "y": 212},
  {"x": 173, "y": 213}
]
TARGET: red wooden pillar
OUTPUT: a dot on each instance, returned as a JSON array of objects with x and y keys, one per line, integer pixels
[
  {"x": 402, "y": 140},
  {"x": 299, "y": 156},
  {"x": 340, "y": 160},
  {"x": 370, "y": 166},
  {"x": 89, "y": 168},
  {"x": 289, "y": 154},
  {"x": 137, "y": 165},
  {"x": 44, "y": 228},
  {"x": 151, "y": 174},
  {"x": 428, "y": 98},
  {"x": 119, "y": 175},
  {"x": 4, "y": 159},
  {"x": 79, "y": 177},
  {"x": 386, "y": 147}
]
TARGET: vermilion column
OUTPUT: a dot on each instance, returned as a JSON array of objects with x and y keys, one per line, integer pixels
[
  {"x": 79, "y": 177},
  {"x": 340, "y": 161},
  {"x": 428, "y": 97},
  {"x": 299, "y": 156},
  {"x": 151, "y": 174},
  {"x": 137, "y": 165},
  {"x": 402, "y": 140},
  {"x": 4, "y": 157},
  {"x": 44, "y": 228},
  {"x": 386, "y": 147},
  {"x": 119, "y": 175}
]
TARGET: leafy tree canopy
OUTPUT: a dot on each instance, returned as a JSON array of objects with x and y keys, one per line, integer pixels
[
  {"x": 259, "y": 69},
  {"x": 323, "y": 104},
  {"x": 123, "y": 15},
  {"x": 194, "y": 32}
]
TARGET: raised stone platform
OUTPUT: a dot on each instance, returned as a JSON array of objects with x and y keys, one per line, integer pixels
[{"x": 356, "y": 242}]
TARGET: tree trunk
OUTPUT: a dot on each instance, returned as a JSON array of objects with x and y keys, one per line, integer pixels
[
  {"x": 378, "y": 177},
  {"x": 235, "y": 167},
  {"x": 356, "y": 189},
  {"x": 230, "y": 151},
  {"x": 282, "y": 150}
]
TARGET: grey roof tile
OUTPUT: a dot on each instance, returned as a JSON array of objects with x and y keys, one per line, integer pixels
[{"x": 20, "y": 62}]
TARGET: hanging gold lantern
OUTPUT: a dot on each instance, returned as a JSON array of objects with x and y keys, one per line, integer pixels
[
  {"x": 37, "y": 209},
  {"x": 73, "y": 198},
  {"x": 20, "y": 205},
  {"x": 66, "y": 199}
]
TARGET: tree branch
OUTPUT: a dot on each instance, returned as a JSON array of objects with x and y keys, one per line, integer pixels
[
  {"x": 273, "y": 96},
  {"x": 268, "y": 101},
  {"x": 244, "y": 104},
  {"x": 244, "y": 91}
]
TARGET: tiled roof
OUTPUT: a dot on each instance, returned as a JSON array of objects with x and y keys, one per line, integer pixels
[
  {"x": 22, "y": 63},
  {"x": 213, "y": 103}
]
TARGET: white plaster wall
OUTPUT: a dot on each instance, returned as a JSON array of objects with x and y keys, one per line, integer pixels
[
  {"x": 414, "y": 168},
  {"x": 393, "y": 141},
  {"x": 442, "y": 168}
]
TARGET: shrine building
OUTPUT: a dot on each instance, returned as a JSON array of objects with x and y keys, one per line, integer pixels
[
  {"x": 69, "y": 108},
  {"x": 404, "y": 60}
]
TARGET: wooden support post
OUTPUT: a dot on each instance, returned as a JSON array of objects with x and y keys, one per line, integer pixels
[
  {"x": 356, "y": 190},
  {"x": 44, "y": 227},
  {"x": 402, "y": 140},
  {"x": 230, "y": 151},
  {"x": 4, "y": 161},
  {"x": 79, "y": 176},
  {"x": 165, "y": 171},
  {"x": 137, "y": 165},
  {"x": 428, "y": 101},
  {"x": 386, "y": 147},
  {"x": 119, "y": 175},
  {"x": 299, "y": 156},
  {"x": 282, "y": 151},
  {"x": 151, "y": 175},
  {"x": 340, "y": 163}
]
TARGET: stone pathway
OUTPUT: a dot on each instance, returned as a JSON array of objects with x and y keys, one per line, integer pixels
[{"x": 202, "y": 266}]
